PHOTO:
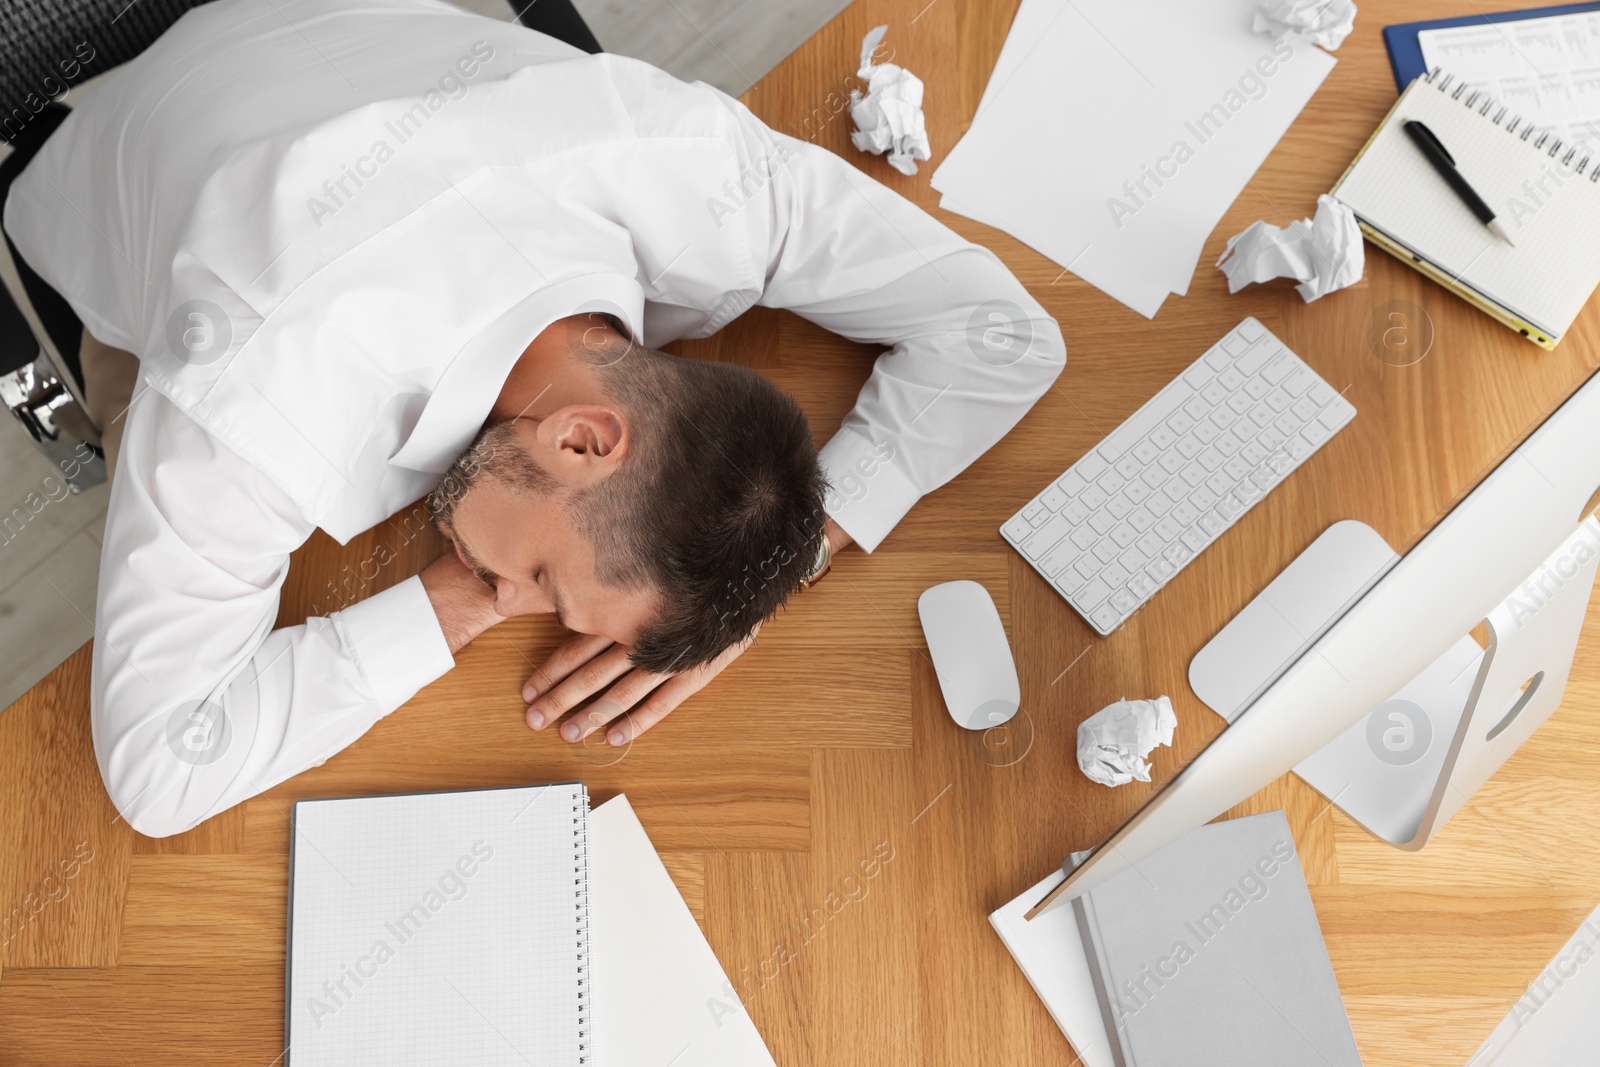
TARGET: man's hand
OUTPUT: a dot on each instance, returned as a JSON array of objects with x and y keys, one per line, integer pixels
[
  {"x": 583, "y": 665},
  {"x": 464, "y": 605}
]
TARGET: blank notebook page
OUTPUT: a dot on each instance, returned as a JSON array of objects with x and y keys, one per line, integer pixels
[
  {"x": 1546, "y": 278},
  {"x": 440, "y": 928}
]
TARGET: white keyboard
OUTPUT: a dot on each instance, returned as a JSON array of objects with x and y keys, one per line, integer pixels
[{"x": 1166, "y": 483}]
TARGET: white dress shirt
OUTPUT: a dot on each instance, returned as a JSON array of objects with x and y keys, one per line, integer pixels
[{"x": 328, "y": 230}]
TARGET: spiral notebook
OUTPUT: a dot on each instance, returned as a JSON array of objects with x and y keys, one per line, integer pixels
[
  {"x": 432, "y": 928},
  {"x": 1544, "y": 191}
]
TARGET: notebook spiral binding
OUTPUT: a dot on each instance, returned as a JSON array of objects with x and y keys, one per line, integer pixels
[
  {"x": 1441, "y": 81},
  {"x": 580, "y": 880}
]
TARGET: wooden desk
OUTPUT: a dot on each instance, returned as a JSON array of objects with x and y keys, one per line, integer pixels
[{"x": 828, "y": 744}]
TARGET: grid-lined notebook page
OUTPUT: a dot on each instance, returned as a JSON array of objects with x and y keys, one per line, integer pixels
[
  {"x": 440, "y": 928},
  {"x": 1550, "y": 208}
]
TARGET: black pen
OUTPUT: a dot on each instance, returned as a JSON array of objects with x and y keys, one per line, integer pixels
[{"x": 1446, "y": 166}]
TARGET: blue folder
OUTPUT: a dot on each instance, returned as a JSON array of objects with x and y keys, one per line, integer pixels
[{"x": 1405, "y": 54}]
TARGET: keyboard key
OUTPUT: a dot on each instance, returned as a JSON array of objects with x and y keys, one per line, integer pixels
[
  {"x": 1220, "y": 355},
  {"x": 1211, "y": 458},
  {"x": 1253, "y": 452},
  {"x": 1232, "y": 471},
  {"x": 1256, "y": 358},
  {"x": 1196, "y": 408},
  {"x": 1228, "y": 442},
  {"x": 1183, "y": 515},
  {"x": 1230, "y": 507},
  {"x": 1192, "y": 476},
  {"x": 1084, "y": 537},
  {"x": 1261, "y": 415},
  {"x": 1115, "y": 573},
  {"x": 1124, "y": 535},
  {"x": 1034, "y": 513},
  {"x": 1058, "y": 558},
  {"x": 1072, "y": 483},
  {"x": 1278, "y": 368},
  {"x": 1169, "y": 528},
  {"x": 1172, "y": 461},
  {"x": 1158, "y": 504},
  {"x": 1016, "y": 529},
  {"x": 1224, "y": 417},
  {"x": 1255, "y": 388},
  {"x": 1180, "y": 423},
  {"x": 1322, "y": 393},
  {"x": 1194, "y": 540},
  {"x": 1270, "y": 438},
  {"x": 1150, "y": 545},
  {"x": 1332, "y": 419},
  {"x": 1092, "y": 498},
  {"x": 1155, "y": 476},
  {"x": 1105, "y": 551},
  {"x": 1162, "y": 438},
  {"x": 1087, "y": 567},
  {"x": 1230, "y": 379},
  {"x": 1206, "y": 432},
  {"x": 1250, "y": 330},
  {"x": 1145, "y": 451},
  {"x": 1214, "y": 394},
  {"x": 1202, "y": 498},
  {"x": 1160, "y": 570},
  {"x": 1124, "y": 601},
  {"x": 1053, "y": 498},
  {"x": 1133, "y": 559},
  {"x": 1288, "y": 424},
  {"x": 1190, "y": 447},
  {"x": 1111, "y": 481},
  {"x": 1119, "y": 507},
  {"x": 1045, "y": 537},
  {"x": 1093, "y": 593},
  {"x": 1100, "y": 522},
  {"x": 1105, "y": 617},
  {"x": 1141, "y": 585},
  {"x": 1075, "y": 512},
  {"x": 1211, "y": 523},
  {"x": 1091, "y": 467},
  {"x": 1137, "y": 492},
  {"x": 1068, "y": 581},
  {"x": 1240, "y": 403},
  {"x": 1314, "y": 434},
  {"x": 1128, "y": 467},
  {"x": 1198, "y": 375}
]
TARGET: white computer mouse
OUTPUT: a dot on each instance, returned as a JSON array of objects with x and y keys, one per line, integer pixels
[{"x": 970, "y": 654}]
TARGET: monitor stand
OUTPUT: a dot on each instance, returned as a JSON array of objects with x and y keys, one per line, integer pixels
[{"x": 1288, "y": 616}]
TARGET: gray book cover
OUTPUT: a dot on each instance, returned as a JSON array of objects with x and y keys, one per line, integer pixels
[{"x": 1208, "y": 954}]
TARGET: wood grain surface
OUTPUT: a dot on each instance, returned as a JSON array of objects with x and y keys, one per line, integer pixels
[{"x": 827, "y": 745}]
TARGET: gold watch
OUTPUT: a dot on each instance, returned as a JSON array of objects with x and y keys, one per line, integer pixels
[{"x": 820, "y": 568}]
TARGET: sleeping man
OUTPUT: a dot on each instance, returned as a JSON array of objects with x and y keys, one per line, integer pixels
[{"x": 346, "y": 257}]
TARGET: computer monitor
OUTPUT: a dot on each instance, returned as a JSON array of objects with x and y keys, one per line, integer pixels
[{"x": 1465, "y": 566}]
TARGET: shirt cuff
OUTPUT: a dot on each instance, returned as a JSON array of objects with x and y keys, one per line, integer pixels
[
  {"x": 397, "y": 641},
  {"x": 867, "y": 493}
]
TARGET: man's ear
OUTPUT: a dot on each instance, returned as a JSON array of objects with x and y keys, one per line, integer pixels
[{"x": 585, "y": 442}]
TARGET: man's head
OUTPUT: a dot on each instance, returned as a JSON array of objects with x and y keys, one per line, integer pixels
[{"x": 674, "y": 513}]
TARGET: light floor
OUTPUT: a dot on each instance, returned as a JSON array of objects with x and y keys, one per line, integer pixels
[{"x": 49, "y": 561}]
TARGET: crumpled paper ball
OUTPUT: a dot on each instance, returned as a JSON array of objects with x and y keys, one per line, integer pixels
[
  {"x": 1323, "y": 254},
  {"x": 1322, "y": 22},
  {"x": 1113, "y": 742},
  {"x": 889, "y": 117}
]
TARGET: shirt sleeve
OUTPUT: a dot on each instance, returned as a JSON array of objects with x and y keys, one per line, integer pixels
[
  {"x": 970, "y": 351},
  {"x": 197, "y": 702}
]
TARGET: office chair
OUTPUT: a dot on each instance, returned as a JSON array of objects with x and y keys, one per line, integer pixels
[{"x": 40, "y": 376}]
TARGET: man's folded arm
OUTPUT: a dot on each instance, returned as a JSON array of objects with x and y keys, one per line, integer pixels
[
  {"x": 197, "y": 702},
  {"x": 970, "y": 349}
]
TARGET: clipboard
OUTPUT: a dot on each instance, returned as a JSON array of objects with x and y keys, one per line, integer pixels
[{"x": 1405, "y": 54}]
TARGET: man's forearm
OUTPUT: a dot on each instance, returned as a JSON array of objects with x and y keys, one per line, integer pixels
[{"x": 464, "y": 605}]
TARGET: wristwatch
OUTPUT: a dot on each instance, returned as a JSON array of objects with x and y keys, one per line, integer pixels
[{"x": 820, "y": 568}]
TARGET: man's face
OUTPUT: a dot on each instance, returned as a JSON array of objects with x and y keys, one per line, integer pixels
[{"x": 523, "y": 544}]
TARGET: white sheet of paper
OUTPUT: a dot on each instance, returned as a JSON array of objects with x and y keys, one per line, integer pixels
[
  {"x": 1554, "y": 1024},
  {"x": 660, "y": 995},
  {"x": 1091, "y": 93}
]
